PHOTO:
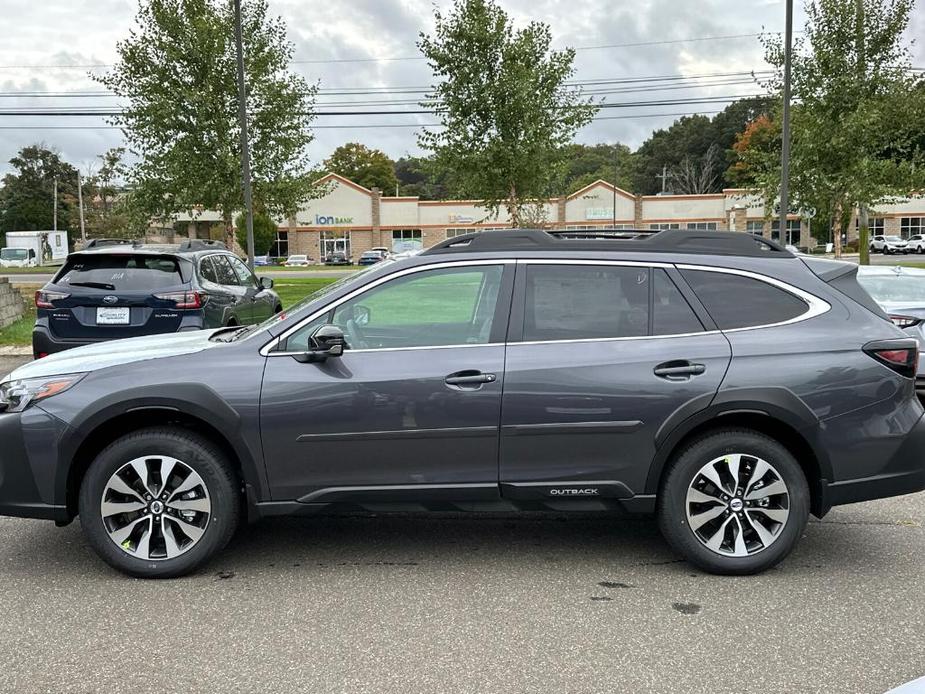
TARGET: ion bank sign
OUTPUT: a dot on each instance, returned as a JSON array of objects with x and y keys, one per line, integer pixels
[{"x": 322, "y": 220}]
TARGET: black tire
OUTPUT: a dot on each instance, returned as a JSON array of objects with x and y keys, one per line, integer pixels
[
  {"x": 672, "y": 517},
  {"x": 198, "y": 453},
  {"x": 278, "y": 309}
]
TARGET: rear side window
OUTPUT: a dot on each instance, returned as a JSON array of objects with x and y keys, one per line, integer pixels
[
  {"x": 735, "y": 301},
  {"x": 671, "y": 314},
  {"x": 122, "y": 271},
  {"x": 574, "y": 302},
  {"x": 207, "y": 270}
]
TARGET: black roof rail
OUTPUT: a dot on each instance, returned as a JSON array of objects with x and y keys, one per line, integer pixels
[
  {"x": 201, "y": 245},
  {"x": 736, "y": 243},
  {"x": 100, "y": 243}
]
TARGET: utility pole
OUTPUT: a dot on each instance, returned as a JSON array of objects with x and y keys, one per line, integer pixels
[
  {"x": 785, "y": 130},
  {"x": 663, "y": 176},
  {"x": 80, "y": 204},
  {"x": 245, "y": 150},
  {"x": 615, "y": 171},
  {"x": 55, "y": 207},
  {"x": 863, "y": 210}
]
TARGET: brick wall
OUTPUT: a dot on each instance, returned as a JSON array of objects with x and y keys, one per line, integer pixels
[
  {"x": 12, "y": 306},
  {"x": 432, "y": 236}
]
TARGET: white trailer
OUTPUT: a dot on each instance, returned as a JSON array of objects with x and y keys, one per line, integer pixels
[{"x": 33, "y": 248}]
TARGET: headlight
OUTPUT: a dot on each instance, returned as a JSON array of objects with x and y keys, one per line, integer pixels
[{"x": 15, "y": 396}]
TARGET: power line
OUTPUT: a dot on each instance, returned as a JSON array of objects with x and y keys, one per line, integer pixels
[
  {"x": 635, "y": 44},
  {"x": 32, "y": 112},
  {"x": 365, "y": 125}
]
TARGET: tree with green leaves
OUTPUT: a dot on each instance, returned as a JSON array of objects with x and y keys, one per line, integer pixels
[
  {"x": 585, "y": 164},
  {"x": 264, "y": 233},
  {"x": 503, "y": 103},
  {"x": 27, "y": 197},
  {"x": 858, "y": 117},
  {"x": 177, "y": 74},
  {"x": 419, "y": 176},
  {"x": 371, "y": 168}
]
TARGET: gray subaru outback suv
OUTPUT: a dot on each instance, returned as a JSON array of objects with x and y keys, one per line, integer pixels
[{"x": 713, "y": 379}]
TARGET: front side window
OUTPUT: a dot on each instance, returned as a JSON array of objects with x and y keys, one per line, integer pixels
[
  {"x": 431, "y": 308},
  {"x": 577, "y": 302},
  {"x": 245, "y": 276},
  {"x": 735, "y": 301},
  {"x": 223, "y": 272}
]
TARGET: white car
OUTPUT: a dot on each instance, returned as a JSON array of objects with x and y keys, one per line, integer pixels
[
  {"x": 887, "y": 244},
  {"x": 916, "y": 244},
  {"x": 299, "y": 260}
]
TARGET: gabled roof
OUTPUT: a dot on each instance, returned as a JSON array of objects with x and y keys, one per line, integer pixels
[
  {"x": 601, "y": 182},
  {"x": 344, "y": 180}
]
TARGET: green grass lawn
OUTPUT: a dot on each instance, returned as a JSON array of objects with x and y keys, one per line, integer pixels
[
  {"x": 20, "y": 332},
  {"x": 293, "y": 289}
]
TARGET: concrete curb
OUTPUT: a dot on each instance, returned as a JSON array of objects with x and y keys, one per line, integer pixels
[{"x": 16, "y": 351}]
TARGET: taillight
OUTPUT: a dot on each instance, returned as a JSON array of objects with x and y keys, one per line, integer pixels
[
  {"x": 44, "y": 299},
  {"x": 183, "y": 299},
  {"x": 900, "y": 355},
  {"x": 905, "y": 321}
]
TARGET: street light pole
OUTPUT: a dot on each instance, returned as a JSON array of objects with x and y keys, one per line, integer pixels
[
  {"x": 245, "y": 150},
  {"x": 80, "y": 203},
  {"x": 785, "y": 129}
]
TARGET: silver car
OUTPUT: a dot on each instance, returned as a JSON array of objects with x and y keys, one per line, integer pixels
[{"x": 900, "y": 291}]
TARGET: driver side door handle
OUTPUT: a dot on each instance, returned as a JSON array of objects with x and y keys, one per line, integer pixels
[{"x": 468, "y": 380}]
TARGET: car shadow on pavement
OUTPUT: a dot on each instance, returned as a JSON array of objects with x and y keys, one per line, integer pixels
[{"x": 445, "y": 541}]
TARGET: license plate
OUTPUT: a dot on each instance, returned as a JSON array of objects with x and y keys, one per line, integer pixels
[{"x": 109, "y": 315}]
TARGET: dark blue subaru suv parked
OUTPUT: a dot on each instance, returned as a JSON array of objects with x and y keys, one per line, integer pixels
[
  {"x": 116, "y": 290},
  {"x": 715, "y": 380}
]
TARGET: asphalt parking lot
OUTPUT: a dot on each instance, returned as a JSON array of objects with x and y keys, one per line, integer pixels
[{"x": 469, "y": 604}]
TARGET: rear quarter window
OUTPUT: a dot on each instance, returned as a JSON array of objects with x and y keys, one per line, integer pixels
[{"x": 735, "y": 301}]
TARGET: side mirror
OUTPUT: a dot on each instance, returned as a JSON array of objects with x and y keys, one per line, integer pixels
[
  {"x": 266, "y": 283},
  {"x": 326, "y": 341}
]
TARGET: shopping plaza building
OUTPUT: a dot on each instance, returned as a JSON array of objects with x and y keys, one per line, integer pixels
[{"x": 353, "y": 219}]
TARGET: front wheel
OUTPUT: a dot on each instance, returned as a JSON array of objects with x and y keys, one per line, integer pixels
[
  {"x": 734, "y": 502},
  {"x": 159, "y": 502}
]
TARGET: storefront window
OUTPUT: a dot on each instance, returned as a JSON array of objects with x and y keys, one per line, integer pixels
[
  {"x": 910, "y": 226},
  {"x": 280, "y": 247},
  {"x": 874, "y": 224},
  {"x": 334, "y": 242},
  {"x": 406, "y": 240},
  {"x": 793, "y": 232},
  {"x": 702, "y": 226},
  {"x": 755, "y": 228},
  {"x": 662, "y": 227}
]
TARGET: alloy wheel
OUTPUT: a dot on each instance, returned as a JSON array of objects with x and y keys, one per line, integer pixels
[
  {"x": 737, "y": 505},
  {"x": 155, "y": 508}
]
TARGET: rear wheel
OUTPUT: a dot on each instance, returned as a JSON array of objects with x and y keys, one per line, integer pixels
[
  {"x": 159, "y": 502},
  {"x": 734, "y": 502}
]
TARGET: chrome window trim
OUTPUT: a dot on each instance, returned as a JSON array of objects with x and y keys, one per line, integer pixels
[
  {"x": 266, "y": 350},
  {"x": 815, "y": 305}
]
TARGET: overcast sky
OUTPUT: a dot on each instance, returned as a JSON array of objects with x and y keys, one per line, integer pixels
[{"x": 81, "y": 32}]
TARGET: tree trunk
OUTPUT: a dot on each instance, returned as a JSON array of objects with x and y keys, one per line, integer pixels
[
  {"x": 864, "y": 234},
  {"x": 229, "y": 230},
  {"x": 513, "y": 208}
]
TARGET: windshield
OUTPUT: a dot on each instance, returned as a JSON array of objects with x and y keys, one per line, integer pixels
[
  {"x": 13, "y": 253},
  {"x": 896, "y": 289},
  {"x": 314, "y": 296}
]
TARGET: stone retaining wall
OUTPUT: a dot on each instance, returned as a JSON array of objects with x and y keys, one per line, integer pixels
[{"x": 12, "y": 306}]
